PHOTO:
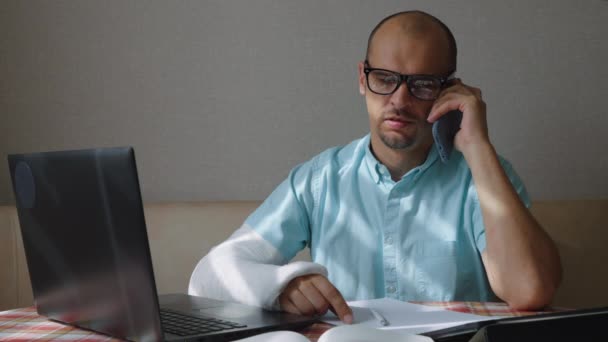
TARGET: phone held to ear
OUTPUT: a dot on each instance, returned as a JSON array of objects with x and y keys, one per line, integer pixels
[{"x": 444, "y": 131}]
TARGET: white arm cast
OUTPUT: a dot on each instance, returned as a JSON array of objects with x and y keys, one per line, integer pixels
[{"x": 247, "y": 269}]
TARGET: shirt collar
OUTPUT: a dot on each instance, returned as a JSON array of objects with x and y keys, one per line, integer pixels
[
  {"x": 373, "y": 165},
  {"x": 378, "y": 170}
]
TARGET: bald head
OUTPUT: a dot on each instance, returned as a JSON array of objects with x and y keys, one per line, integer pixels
[{"x": 418, "y": 25}]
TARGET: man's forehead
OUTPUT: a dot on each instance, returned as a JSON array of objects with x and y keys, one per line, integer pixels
[{"x": 406, "y": 38}]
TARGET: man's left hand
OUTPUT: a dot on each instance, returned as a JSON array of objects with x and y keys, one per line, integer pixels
[{"x": 474, "y": 128}]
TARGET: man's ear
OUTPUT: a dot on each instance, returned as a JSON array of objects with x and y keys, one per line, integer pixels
[{"x": 362, "y": 87}]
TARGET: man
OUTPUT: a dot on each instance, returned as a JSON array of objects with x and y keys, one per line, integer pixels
[{"x": 383, "y": 216}]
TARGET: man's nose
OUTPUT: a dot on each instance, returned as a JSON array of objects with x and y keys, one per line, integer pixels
[{"x": 401, "y": 96}]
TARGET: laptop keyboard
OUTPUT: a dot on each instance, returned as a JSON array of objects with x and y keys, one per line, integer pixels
[{"x": 184, "y": 325}]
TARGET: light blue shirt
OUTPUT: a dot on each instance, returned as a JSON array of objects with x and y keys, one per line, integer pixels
[{"x": 420, "y": 238}]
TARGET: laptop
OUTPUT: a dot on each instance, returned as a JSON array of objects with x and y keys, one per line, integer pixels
[{"x": 86, "y": 245}]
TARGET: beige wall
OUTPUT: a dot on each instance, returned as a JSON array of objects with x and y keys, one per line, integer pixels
[{"x": 222, "y": 98}]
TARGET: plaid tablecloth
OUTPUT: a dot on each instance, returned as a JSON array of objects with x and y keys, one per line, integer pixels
[{"x": 25, "y": 324}]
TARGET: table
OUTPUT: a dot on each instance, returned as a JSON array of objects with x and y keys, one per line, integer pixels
[{"x": 26, "y": 325}]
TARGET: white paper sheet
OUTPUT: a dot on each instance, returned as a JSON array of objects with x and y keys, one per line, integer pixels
[{"x": 407, "y": 317}]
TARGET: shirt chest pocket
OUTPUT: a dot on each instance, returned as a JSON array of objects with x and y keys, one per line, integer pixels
[{"x": 436, "y": 270}]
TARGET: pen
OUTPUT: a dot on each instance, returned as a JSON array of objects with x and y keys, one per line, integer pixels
[{"x": 379, "y": 317}]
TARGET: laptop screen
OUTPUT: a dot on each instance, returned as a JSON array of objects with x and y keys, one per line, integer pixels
[{"x": 85, "y": 240}]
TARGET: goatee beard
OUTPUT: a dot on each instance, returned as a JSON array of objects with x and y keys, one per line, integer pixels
[{"x": 396, "y": 143}]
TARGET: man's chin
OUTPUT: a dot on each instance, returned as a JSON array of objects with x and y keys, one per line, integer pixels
[{"x": 397, "y": 142}]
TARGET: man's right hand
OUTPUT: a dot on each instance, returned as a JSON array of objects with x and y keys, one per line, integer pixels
[{"x": 314, "y": 294}]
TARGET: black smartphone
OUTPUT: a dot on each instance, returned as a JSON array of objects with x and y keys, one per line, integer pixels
[{"x": 444, "y": 131}]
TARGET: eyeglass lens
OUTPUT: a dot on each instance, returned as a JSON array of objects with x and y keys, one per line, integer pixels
[{"x": 422, "y": 87}]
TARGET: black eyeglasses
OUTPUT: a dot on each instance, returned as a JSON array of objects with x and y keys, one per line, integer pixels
[{"x": 422, "y": 87}]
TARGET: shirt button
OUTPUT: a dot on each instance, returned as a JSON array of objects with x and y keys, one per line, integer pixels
[
  {"x": 388, "y": 240},
  {"x": 391, "y": 289}
]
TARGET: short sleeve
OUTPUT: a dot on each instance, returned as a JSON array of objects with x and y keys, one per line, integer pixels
[
  {"x": 479, "y": 229},
  {"x": 283, "y": 218}
]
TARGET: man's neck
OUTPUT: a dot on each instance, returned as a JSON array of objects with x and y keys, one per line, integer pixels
[{"x": 399, "y": 161}]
